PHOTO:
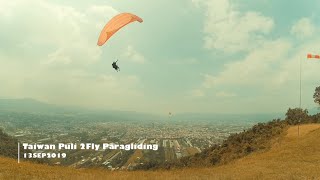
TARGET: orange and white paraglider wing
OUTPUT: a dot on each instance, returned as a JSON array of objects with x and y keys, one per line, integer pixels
[{"x": 115, "y": 24}]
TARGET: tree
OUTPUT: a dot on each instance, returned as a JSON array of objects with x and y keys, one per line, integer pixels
[
  {"x": 294, "y": 116},
  {"x": 316, "y": 95}
]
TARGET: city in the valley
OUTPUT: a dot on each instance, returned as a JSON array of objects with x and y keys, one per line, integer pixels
[{"x": 167, "y": 138}]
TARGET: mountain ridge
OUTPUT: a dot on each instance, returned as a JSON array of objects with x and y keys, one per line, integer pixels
[{"x": 29, "y": 105}]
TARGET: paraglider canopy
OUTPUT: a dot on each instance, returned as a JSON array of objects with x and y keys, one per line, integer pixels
[{"x": 115, "y": 24}]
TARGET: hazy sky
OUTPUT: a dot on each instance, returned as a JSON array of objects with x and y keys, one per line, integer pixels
[{"x": 229, "y": 56}]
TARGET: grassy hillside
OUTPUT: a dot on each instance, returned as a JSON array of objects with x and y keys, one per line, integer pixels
[
  {"x": 290, "y": 157},
  {"x": 236, "y": 146}
]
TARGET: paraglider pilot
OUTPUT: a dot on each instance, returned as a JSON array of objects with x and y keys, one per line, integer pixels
[{"x": 115, "y": 66}]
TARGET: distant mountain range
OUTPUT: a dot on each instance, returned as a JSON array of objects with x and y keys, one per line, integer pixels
[
  {"x": 32, "y": 106},
  {"x": 37, "y": 107}
]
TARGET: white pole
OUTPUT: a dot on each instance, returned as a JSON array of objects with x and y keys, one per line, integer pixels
[
  {"x": 300, "y": 85},
  {"x": 300, "y": 100},
  {"x": 18, "y": 152}
]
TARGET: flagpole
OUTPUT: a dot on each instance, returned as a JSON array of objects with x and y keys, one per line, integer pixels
[
  {"x": 300, "y": 85},
  {"x": 317, "y": 56},
  {"x": 300, "y": 100}
]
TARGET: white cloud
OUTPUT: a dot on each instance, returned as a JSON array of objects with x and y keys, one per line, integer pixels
[
  {"x": 229, "y": 30},
  {"x": 58, "y": 56},
  {"x": 134, "y": 55},
  {"x": 184, "y": 61},
  {"x": 101, "y": 14},
  {"x": 101, "y": 11},
  {"x": 197, "y": 93},
  {"x": 303, "y": 28},
  {"x": 272, "y": 73},
  {"x": 225, "y": 94},
  {"x": 49, "y": 47},
  {"x": 310, "y": 69},
  {"x": 65, "y": 31},
  {"x": 270, "y": 68},
  {"x": 254, "y": 69},
  {"x": 70, "y": 87},
  {"x": 6, "y": 8}
]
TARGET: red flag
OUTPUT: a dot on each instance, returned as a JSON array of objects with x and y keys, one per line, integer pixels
[{"x": 316, "y": 56}]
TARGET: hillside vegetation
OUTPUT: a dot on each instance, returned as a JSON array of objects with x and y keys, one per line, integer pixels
[
  {"x": 289, "y": 157},
  {"x": 9, "y": 148},
  {"x": 8, "y": 145},
  {"x": 236, "y": 146},
  {"x": 256, "y": 139}
]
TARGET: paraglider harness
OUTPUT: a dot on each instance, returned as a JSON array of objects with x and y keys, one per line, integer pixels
[{"x": 115, "y": 66}]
